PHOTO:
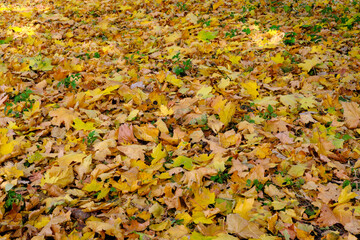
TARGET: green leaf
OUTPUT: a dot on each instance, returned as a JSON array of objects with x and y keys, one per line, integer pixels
[
  {"x": 38, "y": 63},
  {"x": 270, "y": 109},
  {"x": 247, "y": 31},
  {"x": 338, "y": 143},
  {"x": 347, "y": 137},
  {"x": 206, "y": 36},
  {"x": 198, "y": 236},
  {"x": 185, "y": 161},
  {"x": 35, "y": 157}
]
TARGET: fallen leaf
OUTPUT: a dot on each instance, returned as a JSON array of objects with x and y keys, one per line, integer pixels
[
  {"x": 63, "y": 115},
  {"x": 241, "y": 227},
  {"x": 351, "y": 114}
]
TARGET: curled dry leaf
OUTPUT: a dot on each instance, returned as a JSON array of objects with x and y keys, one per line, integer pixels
[
  {"x": 351, "y": 114},
  {"x": 126, "y": 134}
]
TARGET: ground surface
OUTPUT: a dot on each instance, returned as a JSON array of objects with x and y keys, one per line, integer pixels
[{"x": 179, "y": 120}]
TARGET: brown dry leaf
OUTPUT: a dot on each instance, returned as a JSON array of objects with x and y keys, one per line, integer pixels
[
  {"x": 53, "y": 190},
  {"x": 63, "y": 115},
  {"x": 136, "y": 226},
  {"x": 210, "y": 230},
  {"x": 241, "y": 227},
  {"x": 330, "y": 192},
  {"x": 303, "y": 235},
  {"x": 214, "y": 124},
  {"x": 109, "y": 228},
  {"x": 126, "y": 134},
  {"x": 306, "y": 118},
  {"x": 84, "y": 167},
  {"x": 60, "y": 176},
  {"x": 197, "y": 175},
  {"x": 175, "y": 139},
  {"x": 155, "y": 116},
  {"x": 229, "y": 138},
  {"x": 54, "y": 221},
  {"x": 284, "y": 138},
  {"x": 353, "y": 226},
  {"x": 274, "y": 192},
  {"x": 133, "y": 151},
  {"x": 102, "y": 148},
  {"x": 276, "y": 125},
  {"x": 327, "y": 217},
  {"x": 178, "y": 231},
  {"x": 3, "y": 98},
  {"x": 146, "y": 133},
  {"x": 351, "y": 114}
]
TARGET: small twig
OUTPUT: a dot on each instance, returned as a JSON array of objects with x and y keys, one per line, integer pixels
[{"x": 222, "y": 73}]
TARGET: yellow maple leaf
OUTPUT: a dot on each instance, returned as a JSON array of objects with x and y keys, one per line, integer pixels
[
  {"x": 69, "y": 34},
  {"x": 252, "y": 88},
  {"x": 218, "y": 162},
  {"x": 164, "y": 175},
  {"x": 59, "y": 42},
  {"x": 199, "y": 217},
  {"x": 346, "y": 195},
  {"x": 93, "y": 186},
  {"x": 310, "y": 63},
  {"x": 174, "y": 81},
  {"x": 58, "y": 175},
  {"x": 317, "y": 49},
  {"x": 219, "y": 103},
  {"x": 77, "y": 67},
  {"x": 6, "y": 146},
  {"x": 26, "y": 14},
  {"x": 243, "y": 207},
  {"x": 12, "y": 172},
  {"x": 203, "y": 158},
  {"x": 202, "y": 199},
  {"x": 103, "y": 193},
  {"x": 297, "y": 170},
  {"x": 35, "y": 108},
  {"x": 355, "y": 52},
  {"x": 42, "y": 221},
  {"x": 226, "y": 236},
  {"x": 205, "y": 92},
  {"x": 173, "y": 37},
  {"x": 160, "y": 226},
  {"x": 277, "y": 205},
  {"x": 217, "y": 4},
  {"x": 224, "y": 83},
  {"x": 227, "y": 113},
  {"x": 166, "y": 111},
  {"x": 158, "y": 154},
  {"x": 288, "y": 100},
  {"x": 97, "y": 93},
  {"x": 262, "y": 151},
  {"x": 80, "y": 125},
  {"x": 234, "y": 59},
  {"x": 132, "y": 115},
  {"x": 184, "y": 216},
  {"x": 307, "y": 102},
  {"x": 278, "y": 58}
]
